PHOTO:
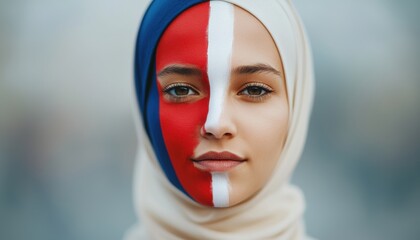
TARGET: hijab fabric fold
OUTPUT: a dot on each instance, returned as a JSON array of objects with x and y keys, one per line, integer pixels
[{"x": 276, "y": 211}]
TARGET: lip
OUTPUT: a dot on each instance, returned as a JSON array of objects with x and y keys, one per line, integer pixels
[{"x": 217, "y": 161}]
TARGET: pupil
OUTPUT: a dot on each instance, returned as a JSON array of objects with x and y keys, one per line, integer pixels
[
  {"x": 254, "y": 91},
  {"x": 181, "y": 90}
]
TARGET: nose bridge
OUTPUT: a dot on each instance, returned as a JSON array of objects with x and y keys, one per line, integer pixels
[
  {"x": 220, "y": 42},
  {"x": 217, "y": 121}
]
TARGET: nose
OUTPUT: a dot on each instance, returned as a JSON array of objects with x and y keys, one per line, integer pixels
[{"x": 219, "y": 122}]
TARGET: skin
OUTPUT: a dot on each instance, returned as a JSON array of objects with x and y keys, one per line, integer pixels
[{"x": 254, "y": 120}]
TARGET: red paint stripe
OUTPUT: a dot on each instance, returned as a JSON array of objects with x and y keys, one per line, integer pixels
[{"x": 185, "y": 42}]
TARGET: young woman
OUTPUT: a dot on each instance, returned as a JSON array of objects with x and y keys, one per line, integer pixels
[{"x": 224, "y": 90}]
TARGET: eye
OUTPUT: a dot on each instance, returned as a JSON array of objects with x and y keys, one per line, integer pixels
[
  {"x": 179, "y": 92},
  {"x": 255, "y": 90}
]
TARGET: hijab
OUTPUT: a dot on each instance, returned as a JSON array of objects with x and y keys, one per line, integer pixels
[{"x": 275, "y": 212}]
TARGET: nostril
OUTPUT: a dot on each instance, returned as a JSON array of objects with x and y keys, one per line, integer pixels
[
  {"x": 214, "y": 134},
  {"x": 219, "y": 130},
  {"x": 203, "y": 132}
]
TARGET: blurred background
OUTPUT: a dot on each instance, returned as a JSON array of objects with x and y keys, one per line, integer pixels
[{"x": 67, "y": 137}]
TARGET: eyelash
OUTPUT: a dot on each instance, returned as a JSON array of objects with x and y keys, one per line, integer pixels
[
  {"x": 168, "y": 91},
  {"x": 266, "y": 91}
]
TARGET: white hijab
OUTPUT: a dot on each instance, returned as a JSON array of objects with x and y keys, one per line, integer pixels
[{"x": 276, "y": 211}]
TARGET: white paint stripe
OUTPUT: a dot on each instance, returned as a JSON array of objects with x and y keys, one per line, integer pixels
[
  {"x": 220, "y": 189},
  {"x": 220, "y": 41}
]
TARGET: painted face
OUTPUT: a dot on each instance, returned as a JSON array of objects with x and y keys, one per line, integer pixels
[{"x": 222, "y": 102}]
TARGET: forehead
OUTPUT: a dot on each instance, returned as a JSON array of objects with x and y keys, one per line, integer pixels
[
  {"x": 185, "y": 36},
  {"x": 185, "y": 40}
]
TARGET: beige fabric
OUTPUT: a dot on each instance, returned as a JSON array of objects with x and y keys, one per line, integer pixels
[{"x": 273, "y": 213}]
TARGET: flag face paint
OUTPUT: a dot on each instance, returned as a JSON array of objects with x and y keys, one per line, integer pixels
[
  {"x": 220, "y": 41},
  {"x": 201, "y": 39}
]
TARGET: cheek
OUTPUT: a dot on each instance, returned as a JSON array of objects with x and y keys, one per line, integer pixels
[
  {"x": 266, "y": 127},
  {"x": 270, "y": 137},
  {"x": 264, "y": 133},
  {"x": 181, "y": 124}
]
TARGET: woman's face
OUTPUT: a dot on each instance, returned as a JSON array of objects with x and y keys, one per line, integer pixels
[{"x": 222, "y": 102}]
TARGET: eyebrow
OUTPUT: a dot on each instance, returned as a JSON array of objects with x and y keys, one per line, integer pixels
[
  {"x": 179, "y": 69},
  {"x": 256, "y": 68},
  {"x": 194, "y": 71}
]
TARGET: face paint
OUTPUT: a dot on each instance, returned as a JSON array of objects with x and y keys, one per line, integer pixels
[
  {"x": 220, "y": 40},
  {"x": 219, "y": 56},
  {"x": 199, "y": 39},
  {"x": 220, "y": 189}
]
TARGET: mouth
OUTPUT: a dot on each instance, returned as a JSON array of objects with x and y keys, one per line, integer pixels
[{"x": 217, "y": 161}]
